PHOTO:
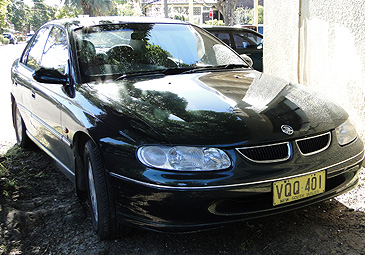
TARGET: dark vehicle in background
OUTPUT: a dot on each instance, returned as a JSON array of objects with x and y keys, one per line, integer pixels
[
  {"x": 242, "y": 40},
  {"x": 12, "y": 38},
  {"x": 260, "y": 29},
  {"x": 160, "y": 125},
  {"x": 29, "y": 36}
]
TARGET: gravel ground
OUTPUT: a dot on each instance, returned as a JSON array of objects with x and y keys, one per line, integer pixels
[{"x": 40, "y": 214}]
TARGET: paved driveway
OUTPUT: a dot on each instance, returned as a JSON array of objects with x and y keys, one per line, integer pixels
[{"x": 8, "y": 54}]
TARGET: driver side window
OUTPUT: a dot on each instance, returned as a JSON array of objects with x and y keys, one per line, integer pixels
[
  {"x": 33, "y": 54},
  {"x": 55, "y": 53}
]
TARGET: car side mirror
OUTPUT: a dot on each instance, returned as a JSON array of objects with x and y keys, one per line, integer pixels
[
  {"x": 50, "y": 75},
  {"x": 247, "y": 59}
]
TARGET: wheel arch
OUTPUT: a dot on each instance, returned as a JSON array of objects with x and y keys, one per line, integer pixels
[
  {"x": 79, "y": 141},
  {"x": 13, "y": 102}
]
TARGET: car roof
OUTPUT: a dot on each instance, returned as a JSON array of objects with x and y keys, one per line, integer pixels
[{"x": 85, "y": 21}]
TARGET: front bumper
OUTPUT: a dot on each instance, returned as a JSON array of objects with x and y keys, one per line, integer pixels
[{"x": 165, "y": 206}]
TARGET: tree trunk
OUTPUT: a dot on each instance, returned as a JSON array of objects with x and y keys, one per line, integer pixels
[
  {"x": 227, "y": 8},
  {"x": 164, "y": 9},
  {"x": 87, "y": 8}
]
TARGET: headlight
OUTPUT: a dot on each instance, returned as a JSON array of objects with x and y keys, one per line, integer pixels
[
  {"x": 346, "y": 133},
  {"x": 184, "y": 158}
]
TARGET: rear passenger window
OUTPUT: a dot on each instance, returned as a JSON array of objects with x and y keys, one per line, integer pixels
[
  {"x": 225, "y": 37},
  {"x": 246, "y": 40}
]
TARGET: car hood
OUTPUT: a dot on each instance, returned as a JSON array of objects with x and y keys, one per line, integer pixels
[{"x": 225, "y": 108}]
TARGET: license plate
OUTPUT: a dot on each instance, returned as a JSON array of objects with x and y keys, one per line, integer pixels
[{"x": 292, "y": 189}]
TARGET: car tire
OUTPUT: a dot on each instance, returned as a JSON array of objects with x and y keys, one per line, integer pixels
[
  {"x": 22, "y": 138},
  {"x": 100, "y": 197}
]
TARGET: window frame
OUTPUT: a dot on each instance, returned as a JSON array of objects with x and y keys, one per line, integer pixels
[
  {"x": 67, "y": 48},
  {"x": 27, "y": 50}
]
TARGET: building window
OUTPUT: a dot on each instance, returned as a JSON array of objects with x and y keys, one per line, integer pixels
[{"x": 197, "y": 10}]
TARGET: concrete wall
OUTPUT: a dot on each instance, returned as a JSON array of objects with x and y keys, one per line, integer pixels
[
  {"x": 320, "y": 44},
  {"x": 281, "y": 25}
]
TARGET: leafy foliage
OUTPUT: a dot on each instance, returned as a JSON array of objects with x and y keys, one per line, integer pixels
[
  {"x": 3, "y": 12},
  {"x": 246, "y": 16},
  {"x": 179, "y": 17},
  {"x": 93, "y": 7},
  {"x": 215, "y": 22},
  {"x": 67, "y": 11},
  {"x": 4, "y": 40},
  {"x": 261, "y": 14},
  {"x": 18, "y": 14},
  {"x": 41, "y": 13},
  {"x": 26, "y": 18},
  {"x": 128, "y": 9}
]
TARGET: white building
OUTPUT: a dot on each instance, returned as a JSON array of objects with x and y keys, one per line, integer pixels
[
  {"x": 180, "y": 8},
  {"x": 319, "y": 44}
]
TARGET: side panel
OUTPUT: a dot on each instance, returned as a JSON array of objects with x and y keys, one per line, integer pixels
[
  {"x": 21, "y": 90},
  {"x": 46, "y": 119}
]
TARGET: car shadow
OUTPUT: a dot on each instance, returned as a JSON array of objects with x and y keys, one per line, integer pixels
[{"x": 323, "y": 228}]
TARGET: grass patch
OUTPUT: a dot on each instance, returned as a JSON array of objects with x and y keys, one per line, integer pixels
[
  {"x": 7, "y": 181},
  {"x": 15, "y": 167},
  {"x": 3, "y": 249}
]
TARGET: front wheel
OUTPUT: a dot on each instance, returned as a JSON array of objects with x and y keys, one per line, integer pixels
[{"x": 100, "y": 198}]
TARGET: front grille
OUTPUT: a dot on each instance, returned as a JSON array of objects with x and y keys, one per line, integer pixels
[
  {"x": 279, "y": 152},
  {"x": 267, "y": 153},
  {"x": 316, "y": 144}
]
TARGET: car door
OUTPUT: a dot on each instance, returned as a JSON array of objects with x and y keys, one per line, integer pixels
[
  {"x": 49, "y": 98},
  {"x": 23, "y": 79}
]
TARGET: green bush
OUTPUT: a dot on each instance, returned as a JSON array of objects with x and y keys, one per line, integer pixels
[
  {"x": 215, "y": 22},
  {"x": 21, "y": 38},
  {"x": 4, "y": 40},
  {"x": 179, "y": 17}
]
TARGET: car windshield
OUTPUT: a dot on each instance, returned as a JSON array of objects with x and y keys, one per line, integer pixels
[{"x": 115, "y": 49}]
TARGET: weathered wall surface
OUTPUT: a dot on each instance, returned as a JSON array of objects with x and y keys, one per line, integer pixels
[
  {"x": 323, "y": 47},
  {"x": 281, "y": 25}
]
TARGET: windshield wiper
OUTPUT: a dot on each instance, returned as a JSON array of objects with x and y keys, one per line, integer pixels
[
  {"x": 166, "y": 71},
  {"x": 232, "y": 66},
  {"x": 137, "y": 74},
  {"x": 214, "y": 68},
  {"x": 178, "y": 70}
]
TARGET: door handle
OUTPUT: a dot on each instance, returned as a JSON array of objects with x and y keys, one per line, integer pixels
[{"x": 33, "y": 95}]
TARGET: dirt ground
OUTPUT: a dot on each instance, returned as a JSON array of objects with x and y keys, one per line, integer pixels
[{"x": 40, "y": 214}]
